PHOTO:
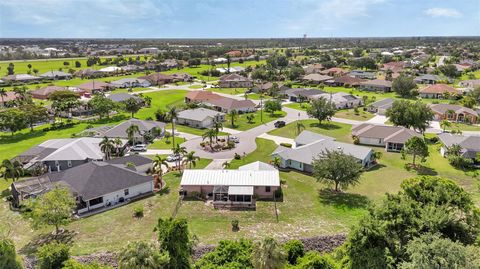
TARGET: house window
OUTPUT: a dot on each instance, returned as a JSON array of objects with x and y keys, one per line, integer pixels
[
  {"x": 95, "y": 201},
  {"x": 267, "y": 189},
  {"x": 69, "y": 163},
  {"x": 126, "y": 192}
]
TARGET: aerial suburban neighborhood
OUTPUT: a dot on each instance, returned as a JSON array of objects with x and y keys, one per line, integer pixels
[{"x": 212, "y": 150}]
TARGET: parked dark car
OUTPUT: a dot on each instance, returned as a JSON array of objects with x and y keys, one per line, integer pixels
[{"x": 279, "y": 124}]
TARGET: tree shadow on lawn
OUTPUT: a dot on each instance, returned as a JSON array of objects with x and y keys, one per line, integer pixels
[
  {"x": 343, "y": 200},
  {"x": 376, "y": 167},
  {"x": 421, "y": 170},
  {"x": 325, "y": 126},
  {"x": 65, "y": 237}
]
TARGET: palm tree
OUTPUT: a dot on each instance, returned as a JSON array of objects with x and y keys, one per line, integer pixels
[
  {"x": 179, "y": 151},
  {"x": 13, "y": 170},
  {"x": 445, "y": 124},
  {"x": 218, "y": 126},
  {"x": 172, "y": 115},
  {"x": 131, "y": 131},
  {"x": 267, "y": 254},
  {"x": 191, "y": 159},
  {"x": 210, "y": 134},
  {"x": 276, "y": 161},
  {"x": 158, "y": 162},
  {"x": 450, "y": 113},
  {"x": 233, "y": 116},
  {"x": 3, "y": 94},
  {"x": 226, "y": 165},
  {"x": 118, "y": 144},
  {"x": 250, "y": 118},
  {"x": 107, "y": 146},
  {"x": 300, "y": 127}
]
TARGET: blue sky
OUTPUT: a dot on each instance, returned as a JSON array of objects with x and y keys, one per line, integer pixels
[{"x": 237, "y": 18}]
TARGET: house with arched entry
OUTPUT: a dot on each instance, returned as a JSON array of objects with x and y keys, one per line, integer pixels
[{"x": 454, "y": 113}]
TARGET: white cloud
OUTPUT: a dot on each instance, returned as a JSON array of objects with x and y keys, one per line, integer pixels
[{"x": 443, "y": 12}]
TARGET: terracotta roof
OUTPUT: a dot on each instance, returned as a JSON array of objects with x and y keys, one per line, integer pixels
[
  {"x": 93, "y": 85},
  {"x": 316, "y": 77},
  {"x": 439, "y": 88},
  {"x": 230, "y": 103},
  {"x": 334, "y": 70},
  {"x": 158, "y": 77},
  {"x": 233, "y": 77},
  {"x": 201, "y": 96},
  {"x": 377, "y": 82},
  {"x": 9, "y": 97}
]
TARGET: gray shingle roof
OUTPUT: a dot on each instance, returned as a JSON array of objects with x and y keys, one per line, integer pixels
[
  {"x": 307, "y": 137},
  {"x": 382, "y": 103},
  {"x": 469, "y": 144},
  {"x": 395, "y": 134},
  {"x": 121, "y": 97},
  {"x": 198, "y": 114},
  {"x": 120, "y": 130}
]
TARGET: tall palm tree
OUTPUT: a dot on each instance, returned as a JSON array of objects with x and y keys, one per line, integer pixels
[
  {"x": 107, "y": 146},
  {"x": 172, "y": 115},
  {"x": 179, "y": 151},
  {"x": 276, "y": 161},
  {"x": 13, "y": 170},
  {"x": 210, "y": 134},
  {"x": 191, "y": 159},
  {"x": 118, "y": 144},
  {"x": 158, "y": 162},
  {"x": 445, "y": 124},
  {"x": 233, "y": 116},
  {"x": 218, "y": 126},
  {"x": 3, "y": 94},
  {"x": 131, "y": 131},
  {"x": 267, "y": 254},
  {"x": 300, "y": 127}
]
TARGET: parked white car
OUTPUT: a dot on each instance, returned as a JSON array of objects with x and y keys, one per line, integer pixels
[{"x": 139, "y": 147}]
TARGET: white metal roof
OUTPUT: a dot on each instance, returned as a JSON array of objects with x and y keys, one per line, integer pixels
[
  {"x": 257, "y": 166},
  {"x": 240, "y": 190},
  {"x": 197, "y": 177}
]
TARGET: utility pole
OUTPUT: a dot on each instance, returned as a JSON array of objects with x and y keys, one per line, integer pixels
[{"x": 261, "y": 107}]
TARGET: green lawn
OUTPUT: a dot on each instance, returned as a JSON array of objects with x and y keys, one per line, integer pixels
[
  {"x": 163, "y": 100},
  {"x": 242, "y": 124},
  {"x": 341, "y": 131},
  {"x": 298, "y": 106},
  {"x": 264, "y": 148},
  {"x": 350, "y": 114},
  {"x": 163, "y": 144},
  {"x": 464, "y": 127},
  {"x": 232, "y": 91},
  {"x": 195, "y": 87},
  {"x": 126, "y": 90},
  {"x": 190, "y": 130}
]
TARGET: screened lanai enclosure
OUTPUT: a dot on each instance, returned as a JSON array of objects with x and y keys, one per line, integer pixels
[{"x": 233, "y": 196}]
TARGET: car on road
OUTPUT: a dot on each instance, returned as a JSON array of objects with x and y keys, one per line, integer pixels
[
  {"x": 279, "y": 124},
  {"x": 174, "y": 158},
  {"x": 234, "y": 139}
]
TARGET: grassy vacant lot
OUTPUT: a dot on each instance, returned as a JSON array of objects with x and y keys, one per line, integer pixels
[
  {"x": 163, "y": 144},
  {"x": 195, "y": 71},
  {"x": 338, "y": 130},
  {"x": 350, "y": 114},
  {"x": 242, "y": 124},
  {"x": 232, "y": 91},
  {"x": 163, "y": 100}
]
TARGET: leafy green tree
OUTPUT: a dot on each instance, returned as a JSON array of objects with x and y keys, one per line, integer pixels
[
  {"x": 296, "y": 72},
  {"x": 321, "y": 109},
  {"x": 416, "y": 146},
  {"x": 272, "y": 106},
  {"x": 34, "y": 114},
  {"x": 338, "y": 168},
  {"x": 268, "y": 254},
  {"x": 73, "y": 264},
  {"x": 449, "y": 70},
  {"x": 424, "y": 205},
  {"x": 408, "y": 114},
  {"x": 101, "y": 105},
  {"x": 404, "y": 86},
  {"x": 174, "y": 238},
  {"x": 228, "y": 254},
  {"x": 13, "y": 170},
  {"x": 53, "y": 208},
  {"x": 475, "y": 94},
  {"x": 10, "y": 69},
  {"x": 295, "y": 250},
  {"x": 132, "y": 106},
  {"x": 8, "y": 255},
  {"x": 3, "y": 94},
  {"x": 142, "y": 255},
  {"x": 52, "y": 255},
  {"x": 63, "y": 101},
  {"x": 433, "y": 251},
  {"x": 314, "y": 260},
  {"x": 13, "y": 120}
]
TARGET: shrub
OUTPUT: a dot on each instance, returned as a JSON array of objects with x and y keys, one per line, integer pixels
[
  {"x": 138, "y": 212},
  {"x": 460, "y": 162},
  {"x": 237, "y": 156},
  {"x": 294, "y": 250},
  {"x": 52, "y": 255},
  {"x": 287, "y": 145},
  {"x": 8, "y": 254},
  {"x": 235, "y": 226}
]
